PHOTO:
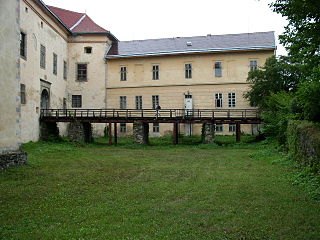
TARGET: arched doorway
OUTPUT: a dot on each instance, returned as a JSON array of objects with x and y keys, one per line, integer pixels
[{"x": 45, "y": 99}]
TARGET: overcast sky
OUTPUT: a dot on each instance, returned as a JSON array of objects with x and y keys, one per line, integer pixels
[{"x": 145, "y": 19}]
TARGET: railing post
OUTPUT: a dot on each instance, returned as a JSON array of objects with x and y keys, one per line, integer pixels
[
  {"x": 142, "y": 113},
  {"x": 170, "y": 113}
]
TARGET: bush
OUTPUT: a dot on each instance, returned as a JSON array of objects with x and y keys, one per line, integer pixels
[{"x": 303, "y": 141}]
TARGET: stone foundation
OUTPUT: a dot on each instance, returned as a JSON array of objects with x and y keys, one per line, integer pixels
[
  {"x": 48, "y": 129},
  {"x": 11, "y": 159},
  {"x": 141, "y": 132},
  {"x": 80, "y": 132},
  {"x": 208, "y": 133}
]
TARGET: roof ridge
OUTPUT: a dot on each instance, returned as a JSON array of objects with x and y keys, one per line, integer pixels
[
  {"x": 50, "y": 6},
  {"x": 79, "y": 21}
]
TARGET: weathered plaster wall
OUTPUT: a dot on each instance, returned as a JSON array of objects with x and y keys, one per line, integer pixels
[
  {"x": 93, "y": 90},
  {"x": 10, "y": 76},
  {"x": 54, "y": 39}
]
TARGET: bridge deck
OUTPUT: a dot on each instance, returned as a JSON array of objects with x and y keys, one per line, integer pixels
[{"x": 243, "y": 116}]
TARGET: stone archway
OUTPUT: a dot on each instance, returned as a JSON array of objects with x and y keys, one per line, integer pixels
[{"x": 45, "y": 99}]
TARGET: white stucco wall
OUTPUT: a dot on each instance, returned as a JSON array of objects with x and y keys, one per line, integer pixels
[{"x": 9, "y": 77}]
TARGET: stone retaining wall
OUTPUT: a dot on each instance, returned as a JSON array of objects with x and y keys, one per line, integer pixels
[{"x": 11, "y": 159}]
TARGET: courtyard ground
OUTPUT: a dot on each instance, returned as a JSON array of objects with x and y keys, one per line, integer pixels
[{"x": 190, "y": 191}]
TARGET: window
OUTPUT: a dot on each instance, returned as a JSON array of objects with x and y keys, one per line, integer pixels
[
  {"x": 138, "y": 102},
  {"x": 123, "y": 73},
  {"x": 23, "y": 93},
  {"x": 188, "y": 70},
  {"x": 41, "y": 24},
  {"x": 23, "y": 45},
  {"x": 88, "y": 50},
  {"x": 55, "y": 64},
  {"x": 123, "y": 127},
  {"x": 156, "y": 127},
  {"x": 253, "y": 65},
  {"x": 218, "y": 69},
  {"x": 82, "y": 71},
  {"x": 155, "y": 72},
  {"x": 155, "y": 101},
  {"x": 218, "y": 100},
  {"x": 123, "y": 102},
  {"x": 42, "y": 56},
  {"x": 218, "y": 128},
  {"x": 232, "y": 127},
  {"x": 232, "y": 99},
  {"x": 76, "y": 101},
  {"x": 65, "y": 70}
]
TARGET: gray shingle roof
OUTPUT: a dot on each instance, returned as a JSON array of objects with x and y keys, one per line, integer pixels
[{"x": 210, "y": 43}]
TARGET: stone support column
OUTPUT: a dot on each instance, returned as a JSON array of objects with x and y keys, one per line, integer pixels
[
  {"x": 208, "y": 133},
  {"x": 141, "y": 132},
  {"x": 80, "y": 132}
]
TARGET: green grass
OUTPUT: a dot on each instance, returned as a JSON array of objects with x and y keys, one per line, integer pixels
[{"x": 78, "y": 191}]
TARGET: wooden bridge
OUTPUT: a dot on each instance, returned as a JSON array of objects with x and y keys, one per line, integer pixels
[{"x": 175, "y": 116}]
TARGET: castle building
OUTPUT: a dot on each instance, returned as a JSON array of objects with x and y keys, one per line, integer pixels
[{"x": 56, "y": 58}]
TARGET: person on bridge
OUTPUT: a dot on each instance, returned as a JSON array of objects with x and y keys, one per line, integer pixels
[{"x": 157, "y": 111}]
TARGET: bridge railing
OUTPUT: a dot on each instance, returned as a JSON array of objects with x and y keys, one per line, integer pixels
[{"x": 150, "y": 113}]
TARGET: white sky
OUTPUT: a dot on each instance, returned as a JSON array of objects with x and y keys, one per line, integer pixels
[{"x": 145, "y": 19}]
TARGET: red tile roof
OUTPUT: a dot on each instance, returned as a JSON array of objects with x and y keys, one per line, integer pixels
[{"x": 77, "y": 22}]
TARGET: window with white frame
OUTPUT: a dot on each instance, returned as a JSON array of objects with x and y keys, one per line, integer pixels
[
  {"x": 123, "y": 102},
  {"x": 138, "y": 102},
  {"x": 218, "y": 127},
  {"x": 156, "y": 127},
  {"x": 155, "y": 72},
  {"x": 253, "y": 65},
  {"x": 218, "y": 69},
  {"x": 232, "y": 127},
  {"x": 123, "y": 73},
  {"x": 76, "y": 101},
  {"x": 218, "y": 100},
  {"x": 188, "y": 70},
  {"x": 82, "y": 72},
  {"x": 123, "y": 127},
  {"x": 42, "y": 56},
  {"x": 155, "y": 101},
  {"x": 55, "y": 64},
  {"x": 232, "y": 99}
]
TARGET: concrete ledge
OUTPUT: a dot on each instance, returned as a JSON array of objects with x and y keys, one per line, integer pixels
[{"x": 12, "y": 159}]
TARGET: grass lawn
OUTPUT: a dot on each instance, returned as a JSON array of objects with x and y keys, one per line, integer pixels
[{"x": 73, "y": 191}]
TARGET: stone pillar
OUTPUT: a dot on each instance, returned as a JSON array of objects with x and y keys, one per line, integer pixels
[
  {"x": 49, "y": 130},
  {"x": 141, "y": 132},
  {"x": 208, "y": 133},
  {"x": 80, "y": 132},
  {"x": 12, "y": 158}
]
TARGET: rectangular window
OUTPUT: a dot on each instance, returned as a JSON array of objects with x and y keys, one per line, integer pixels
[
  {"x": 138, "y": 102},
  {"x": 82, "y": 71},
  {"x": 188, "y": 70},
  {"x": 232, "y": 127},
  {"x": 155, "y": 72},
  {"x": 123, "y": 102},
  {"x": 55, "y": 64},
  {"x": 123, "y": 73},
  {"x": 156, "y": 127},
  {"x": 65, "y": 70},
  {"x": 218, "y": 69},
  {"x": 218, "y": 100},
  {"x": 155, "y": 101},
  {"x": 23, "y": 93},
  {"x": 253, "y": 65},
  {"x": 232, "y": 99},
  {"x": 76, "y": 101},
  {"x": 23, "y": 45},
  {"x": 123, "y": 127},
  {"x": 218, "y": 128},
  {"x": 42, "y": 56},
  {"x": 88, "y": 50}
]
